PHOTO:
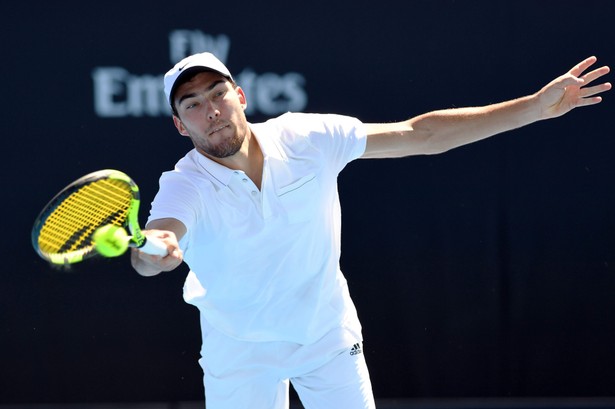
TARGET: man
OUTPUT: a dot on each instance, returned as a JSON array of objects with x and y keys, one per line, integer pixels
[{"x": 254, "y": 212}]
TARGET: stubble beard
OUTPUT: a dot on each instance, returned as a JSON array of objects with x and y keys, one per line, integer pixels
[{"x": 225, "y": 148}]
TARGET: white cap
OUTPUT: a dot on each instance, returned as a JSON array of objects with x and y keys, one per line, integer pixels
[{"x": 192, "y": 63}]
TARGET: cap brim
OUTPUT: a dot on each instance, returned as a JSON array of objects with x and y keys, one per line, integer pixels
[{"x": 188, "y": 72}]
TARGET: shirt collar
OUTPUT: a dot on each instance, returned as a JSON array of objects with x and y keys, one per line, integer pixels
[
  {"x": 223, "y": 174},
  {"x": 220, "y": 173}
]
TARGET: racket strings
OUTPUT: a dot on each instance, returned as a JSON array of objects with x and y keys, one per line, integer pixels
[{"x": 71, "y": 225}]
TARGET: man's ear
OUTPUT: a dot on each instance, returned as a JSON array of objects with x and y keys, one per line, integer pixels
[
  {"x": 242, "y": 97},
  {"x": 180, "y": 126}
]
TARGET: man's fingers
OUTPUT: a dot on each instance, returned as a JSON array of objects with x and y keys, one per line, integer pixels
[
  {"x": 578, "y": 69},
  {"x": 596, "y": 89},
  {"x": 595, "y": 74}
]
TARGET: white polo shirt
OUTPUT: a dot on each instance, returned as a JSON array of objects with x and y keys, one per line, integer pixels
[{"x": 264, "y": 264}]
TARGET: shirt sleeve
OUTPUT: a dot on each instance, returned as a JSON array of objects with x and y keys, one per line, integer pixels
[
  {"x": 349, "y": 138},
  {"x": 341, "y": 139},
  {"x": 177, "y": 198}
]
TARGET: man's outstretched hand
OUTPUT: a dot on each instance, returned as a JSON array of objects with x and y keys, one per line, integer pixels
[{"x": 573, "y": 90}]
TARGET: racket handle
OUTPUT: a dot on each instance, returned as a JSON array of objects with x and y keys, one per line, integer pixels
[{"x": 154, "y": 247}]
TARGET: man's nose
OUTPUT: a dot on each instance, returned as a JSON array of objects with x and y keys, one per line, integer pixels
[{"x": 213, "y": 112}]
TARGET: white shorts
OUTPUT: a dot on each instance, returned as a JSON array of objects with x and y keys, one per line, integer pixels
[{"x": 329, "y": 374}]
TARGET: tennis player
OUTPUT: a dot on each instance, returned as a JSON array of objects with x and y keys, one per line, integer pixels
[{"x": 253, "y": 210}]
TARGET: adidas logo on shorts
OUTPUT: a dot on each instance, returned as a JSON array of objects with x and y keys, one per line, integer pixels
[{"x": 356, "y": 349}]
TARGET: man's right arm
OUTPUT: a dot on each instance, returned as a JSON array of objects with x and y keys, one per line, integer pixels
[{"x": 169, "y": 231}]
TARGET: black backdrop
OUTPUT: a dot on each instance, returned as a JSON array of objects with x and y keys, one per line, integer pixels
[{"x": 487, "y": 271}]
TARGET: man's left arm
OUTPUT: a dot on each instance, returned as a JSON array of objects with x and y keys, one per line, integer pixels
[{"x": 440, "y": 131}]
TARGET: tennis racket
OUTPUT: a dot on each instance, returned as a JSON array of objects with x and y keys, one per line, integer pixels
[{"x": 63, "y": 232}]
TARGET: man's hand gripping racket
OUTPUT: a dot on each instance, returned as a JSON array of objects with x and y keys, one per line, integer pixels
[{"x": 92, "y": 216}]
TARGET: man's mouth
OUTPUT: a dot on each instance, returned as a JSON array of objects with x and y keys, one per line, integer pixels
[{"x": 217, "y": 129}]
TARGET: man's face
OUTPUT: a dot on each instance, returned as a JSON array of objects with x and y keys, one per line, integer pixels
[{"x": 211, "y": 114}]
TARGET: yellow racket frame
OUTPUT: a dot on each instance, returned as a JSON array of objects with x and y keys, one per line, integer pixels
[{"x": 62, "y": 234}]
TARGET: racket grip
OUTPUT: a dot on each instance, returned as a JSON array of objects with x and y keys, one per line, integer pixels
[{"x": 154, "y": 247}]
